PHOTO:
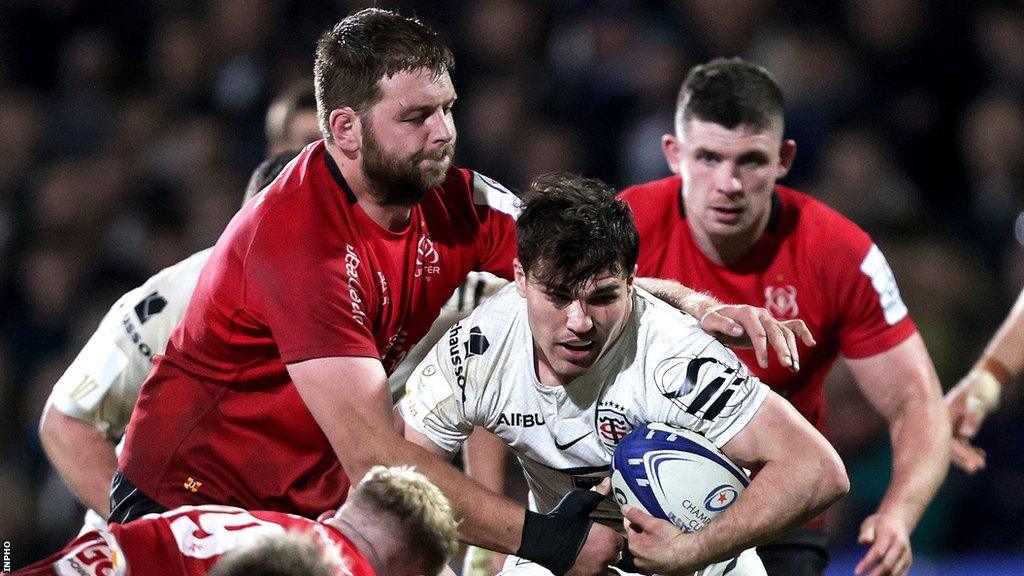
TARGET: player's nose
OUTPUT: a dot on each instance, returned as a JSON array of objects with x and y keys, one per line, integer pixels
[{"x": 578, "y": 319}]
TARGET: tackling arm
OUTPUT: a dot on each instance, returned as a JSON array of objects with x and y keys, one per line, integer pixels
[
  {"x": 902, "y": 386},
  {"x": 359, "y": 426},
  {"x": 736, "y": 325},
  {"x": 798, "y": 476},
  {"x": 81, "y": 455}
]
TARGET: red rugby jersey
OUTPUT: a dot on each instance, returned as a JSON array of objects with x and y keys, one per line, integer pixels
[
  {"x": 188, "y": 542},
  {"x": 811, "y": 263},
  {"x": 301, "y": 272}
]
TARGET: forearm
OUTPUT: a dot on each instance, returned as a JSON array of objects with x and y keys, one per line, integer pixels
[
  {"x": 485, "y": 460},
  {"x": 771, "y": 505},
  {"x": 485, "y": 519},
  {"x": 1007, "y": 347},
  {"x": 694, "y": 303},
  {"x": 920, "y": 445},
  {"x": 81, "y": 455}
]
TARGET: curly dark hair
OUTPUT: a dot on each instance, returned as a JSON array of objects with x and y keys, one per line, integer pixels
[{"x": 572, "y": 229}]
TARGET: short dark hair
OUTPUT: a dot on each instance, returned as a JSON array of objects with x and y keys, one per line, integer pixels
[
  {"x": 572, "y": 229},
  {"x": 267, "y": 171},
  {"x": 294, "y": 99},
  {"x": 731, "y": 92},
  {"x": 352, "y": 57},
  {"x": 291, "y": 554}
]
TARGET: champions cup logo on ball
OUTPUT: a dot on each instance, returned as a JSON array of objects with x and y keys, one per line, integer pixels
[
  {"x": 721, "y": 498},
  {"x": 675, "y": 474}
]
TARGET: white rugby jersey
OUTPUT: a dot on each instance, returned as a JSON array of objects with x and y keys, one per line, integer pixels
[
  {"x": 663, "y": 368},
  {"x": 102, "y": 384}
]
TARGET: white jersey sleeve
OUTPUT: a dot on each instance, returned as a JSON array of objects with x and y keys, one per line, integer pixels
[
  {"x": 456, "y": 385},
  {"x": 102, "y": 384},
  {"x": 697, "y": 383}
]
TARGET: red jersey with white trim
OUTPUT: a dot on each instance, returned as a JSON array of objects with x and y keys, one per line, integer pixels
[
  {"x": 188, "y": 542},
  {"x": 301, "y": 272},
  {"x": 811, "y": 263}
]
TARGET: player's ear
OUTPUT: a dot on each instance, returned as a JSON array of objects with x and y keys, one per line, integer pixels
[
  {"x": 520, "y": 277},
  {"x": 344, "y": 124},
  {"x": 673, "y": 154},
  {"x": 787, "y": 154}
]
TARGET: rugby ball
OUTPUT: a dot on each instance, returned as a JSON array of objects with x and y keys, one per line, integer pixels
[{"x": 675, "y": 474}]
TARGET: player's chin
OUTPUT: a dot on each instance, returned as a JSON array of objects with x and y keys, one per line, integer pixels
[{"x": 434, "y": 171}]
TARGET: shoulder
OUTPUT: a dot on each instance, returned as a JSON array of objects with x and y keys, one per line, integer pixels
[
  {"x": 477, "y": 341},
  {"x": 820, "y": 228},
  {"x": 665, "y": 331},
  {"x": 654, "y": 202},
  {"x": 473, "y": 189}
]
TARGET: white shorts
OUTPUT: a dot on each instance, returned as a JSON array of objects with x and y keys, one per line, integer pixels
[{"x": 746, "y": 564}]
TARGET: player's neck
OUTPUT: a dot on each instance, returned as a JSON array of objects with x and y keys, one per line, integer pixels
[
  {"x": 373, "y": 541},
  {"x": 388, "y": 216},
  {"x": 727, "y": 250}
]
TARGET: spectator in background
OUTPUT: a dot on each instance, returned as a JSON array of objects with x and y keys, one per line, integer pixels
[
  {"x": 395, "y": 523},
  {"x": 978, "y": 393},
  {"x": 291, "y": 119},
  {"x": 722, "y": 224}
]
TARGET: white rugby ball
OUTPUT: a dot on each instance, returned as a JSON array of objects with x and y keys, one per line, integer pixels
[{"x": 675, "y": 474}]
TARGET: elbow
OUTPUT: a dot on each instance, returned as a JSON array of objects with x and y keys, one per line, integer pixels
[{"x": 835, "y": 483}]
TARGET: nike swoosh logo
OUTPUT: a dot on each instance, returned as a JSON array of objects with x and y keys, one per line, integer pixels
[{"x": 570, "y": 444}]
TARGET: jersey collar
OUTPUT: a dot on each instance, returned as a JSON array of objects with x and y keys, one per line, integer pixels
[{"x": 332, "y": 167}]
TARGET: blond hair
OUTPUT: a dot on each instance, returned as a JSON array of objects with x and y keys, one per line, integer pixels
[{"x": 420, "y": 507}]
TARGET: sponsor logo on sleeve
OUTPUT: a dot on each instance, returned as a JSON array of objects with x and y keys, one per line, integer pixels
[
  {"x": 477, "y": 344},
  {"x": 456, "y": 357},
  {"x": 150, "y": 306},
  {"x": 677, "y": 378},
  {"x": 352, "y": 263},
  {"x": 882, "y": 280}
]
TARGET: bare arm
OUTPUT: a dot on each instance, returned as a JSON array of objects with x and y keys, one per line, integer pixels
[
  {"x": 81, "y": 455},
  {"x": 741, "y": 325},
  {"x": 902, "y": 386},
  {"x": 485, "y": 460},
  {"x": 977, "y": 394},
  {"x": 799, "y": 475},
  {"x": 360, "y": 427}
]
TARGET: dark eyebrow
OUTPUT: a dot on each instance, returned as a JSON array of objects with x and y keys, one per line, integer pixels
[
  {"x": 702, "y": 151},
  {"x": 428, "y": 109},
  {"x": 753, "y": 156}
]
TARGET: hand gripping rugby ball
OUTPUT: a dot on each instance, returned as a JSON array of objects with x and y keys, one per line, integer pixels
[{"x": 675, "y": 474}]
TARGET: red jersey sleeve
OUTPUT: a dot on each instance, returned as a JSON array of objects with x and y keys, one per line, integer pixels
[
  {"x": 309, "y": 288},
  {"x": 872, "y": 315}
]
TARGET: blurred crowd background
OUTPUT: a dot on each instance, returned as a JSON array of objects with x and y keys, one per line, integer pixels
[{"x": 128, "y": 130}]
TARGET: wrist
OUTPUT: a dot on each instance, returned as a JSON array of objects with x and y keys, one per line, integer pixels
[
  {"x": 699, "y": 305},
  {"x": 553, "y": 541},
  {"x": 986, "y": 384}
]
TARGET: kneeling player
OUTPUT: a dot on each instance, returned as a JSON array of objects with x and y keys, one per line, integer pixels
[
  {"x": 565, "y": 362},
  {"x": 395, "y": 522}
]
